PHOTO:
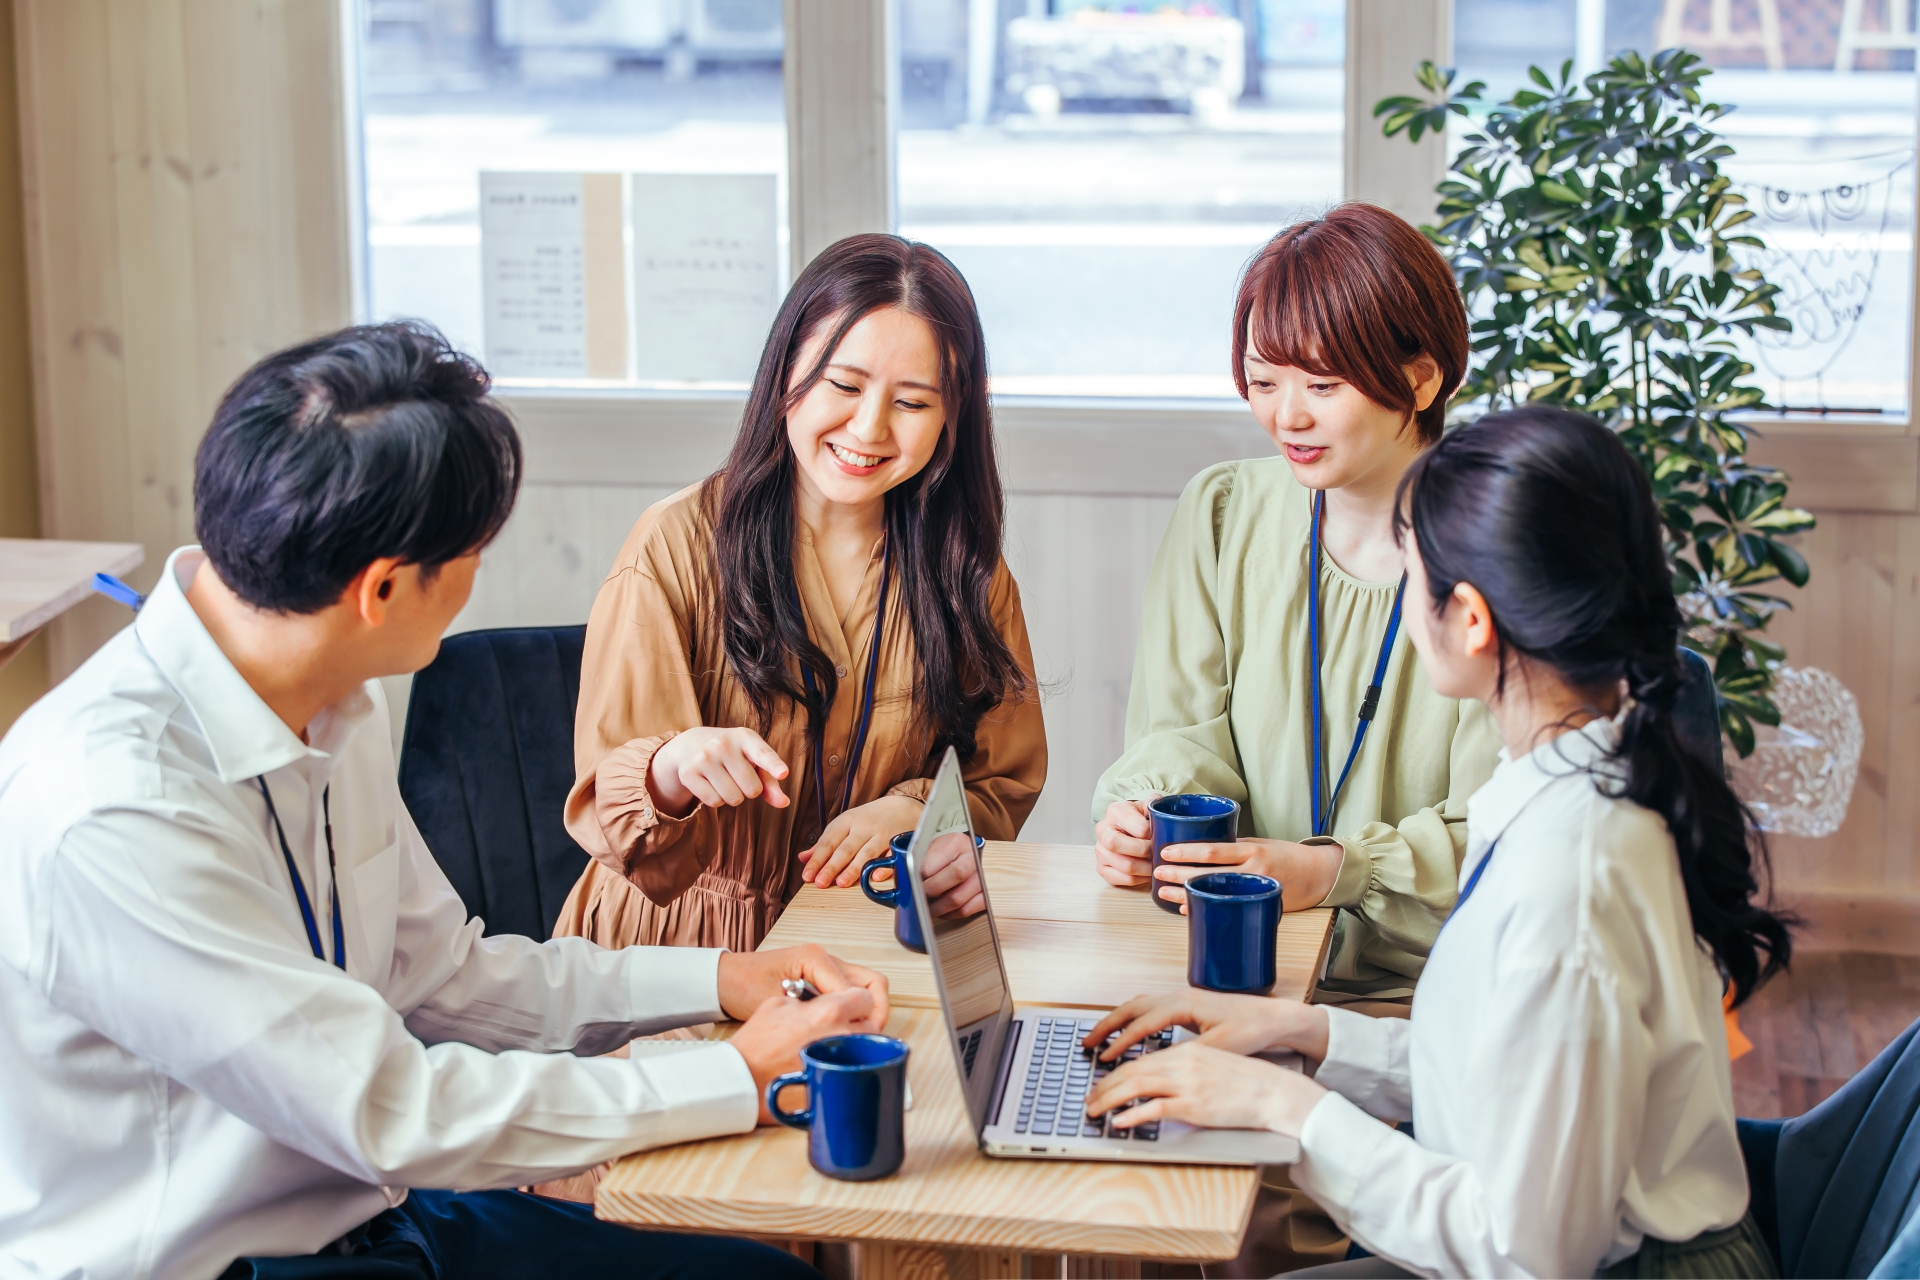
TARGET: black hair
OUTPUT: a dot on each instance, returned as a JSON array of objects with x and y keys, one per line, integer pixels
[
  {"x": 375, "y": 441},
  {"x": 1550, "y": 518},
  {"x": 943, "y": 525}
]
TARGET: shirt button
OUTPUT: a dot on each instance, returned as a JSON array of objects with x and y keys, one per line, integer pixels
[
  {"x": 841, "y": 672},
  {"x": 833, "y": 759}
]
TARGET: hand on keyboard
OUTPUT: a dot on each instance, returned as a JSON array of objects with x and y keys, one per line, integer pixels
[
  {"x": 1059, "y": 1074},
  {"x": 1201, "y": 1085}
]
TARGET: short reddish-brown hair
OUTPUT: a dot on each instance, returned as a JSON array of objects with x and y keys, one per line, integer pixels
[{"x": 1357, "y": 294}]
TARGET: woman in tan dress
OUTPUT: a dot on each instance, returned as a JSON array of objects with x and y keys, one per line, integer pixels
[{"x": 781, "y": 654}]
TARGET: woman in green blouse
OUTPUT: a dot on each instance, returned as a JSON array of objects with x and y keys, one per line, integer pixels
[{"x": 1349, "y": 338}]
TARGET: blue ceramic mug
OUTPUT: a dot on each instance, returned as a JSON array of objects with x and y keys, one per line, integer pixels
[
  {"x": 1190, "y": 819},
  {"x": 856, "y": 1105},
  {"x": 906, "y": 921},
  {"x": 1233, "y": 920}
]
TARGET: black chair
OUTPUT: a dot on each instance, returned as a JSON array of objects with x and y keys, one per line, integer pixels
[{"x": 485, "y": 766}]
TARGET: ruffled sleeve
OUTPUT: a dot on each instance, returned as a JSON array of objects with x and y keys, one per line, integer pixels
[
  {"x": 637, "y": 691},
  {"x": 1179, "y": 737}
]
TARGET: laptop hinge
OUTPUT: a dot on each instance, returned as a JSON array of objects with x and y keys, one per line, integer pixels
[{"x": 1005, "y": 1071}]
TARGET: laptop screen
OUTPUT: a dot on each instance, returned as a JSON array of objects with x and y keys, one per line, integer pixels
[{"x": 950, "y": 893}]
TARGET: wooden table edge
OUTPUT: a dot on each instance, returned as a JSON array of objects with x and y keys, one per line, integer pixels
[{"x": 1158, "y": 1244}]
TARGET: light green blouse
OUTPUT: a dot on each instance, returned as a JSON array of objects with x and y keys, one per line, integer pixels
[{"x": 1221, "y": 703}]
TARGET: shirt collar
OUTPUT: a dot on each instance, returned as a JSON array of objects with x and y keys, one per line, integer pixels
[
  {"x": 244, "y": 736},
  {"x": 1515, "y": 783}
]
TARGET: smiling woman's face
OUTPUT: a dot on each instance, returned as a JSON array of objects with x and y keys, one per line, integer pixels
[
  {"x": 1331, "y": 434},
  {"x": 874, "y": 420}
]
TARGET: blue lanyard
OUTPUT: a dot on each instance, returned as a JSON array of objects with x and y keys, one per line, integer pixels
[
  {"x": 1324, "y": 804},
  {"x": 866, "y": 702},
  {"x": 1472, "y": 881},
  {"x": 299, "y": 886}
]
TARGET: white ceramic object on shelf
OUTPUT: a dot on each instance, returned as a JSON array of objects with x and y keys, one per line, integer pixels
[{"x": 1799, "y": 779}]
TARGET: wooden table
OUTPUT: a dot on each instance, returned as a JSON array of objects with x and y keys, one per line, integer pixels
[
  {"x": 40, "y": 579},
  {"x": 1069, "y": 939}
]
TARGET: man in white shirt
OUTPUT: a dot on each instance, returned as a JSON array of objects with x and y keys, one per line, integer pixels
[{"x": 241, "y": 1009}]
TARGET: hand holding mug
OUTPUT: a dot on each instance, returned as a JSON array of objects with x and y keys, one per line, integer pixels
[
  {"x": 714, "y": 767},
  {"x": 1306, "y": 872},
  {"x": 1123, "y": 844}
]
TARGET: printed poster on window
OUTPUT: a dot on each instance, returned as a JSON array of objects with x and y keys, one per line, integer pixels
[
  {"x": 553, "y": 275},
  {"x": 706, "y": 274}
]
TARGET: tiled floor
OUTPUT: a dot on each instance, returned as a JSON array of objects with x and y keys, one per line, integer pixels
[{"x": 1814, "y": 1027}]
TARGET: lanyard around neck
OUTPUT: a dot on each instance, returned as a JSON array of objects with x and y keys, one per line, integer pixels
[
  {"x": 299, "y": 886},
  {"x": 1323, "y": 803},
  {"x": 859, "y": 745},
  {"x": 1472, "y": 881}
]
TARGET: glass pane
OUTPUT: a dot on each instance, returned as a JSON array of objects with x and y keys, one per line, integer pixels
[
  {"x": 1101, "y": 170},
  {"x": 1823, "y": 137},
  {"x": 452, "y": 89}
]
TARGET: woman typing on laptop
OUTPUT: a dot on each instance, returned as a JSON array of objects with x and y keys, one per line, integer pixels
[{"x": 1566, "y": 1058}]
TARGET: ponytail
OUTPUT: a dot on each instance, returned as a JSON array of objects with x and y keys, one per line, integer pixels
[
  {"x": 1712, "y": 831},
  {"x": 1548, "y": 516}
]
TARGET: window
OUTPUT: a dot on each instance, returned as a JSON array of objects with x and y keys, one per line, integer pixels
[
  {"x": 1823, "y": 135},
  {"x": 542, "y": 178},
  {"x": 1100, "y": 171}
]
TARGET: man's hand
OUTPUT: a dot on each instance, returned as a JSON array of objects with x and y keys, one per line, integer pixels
[
  {"x": 1201, "y": 1085},
  {"x": 748, "y": 979},
  {"x": 1306, "y": 872},
  {"x": 1123, "y": 844},
  {"x": 771, "y": 1040},
  {"x": 714, "y": 767},
  {"x": 1235, "y": 1023},
  {"x": 856, "y": 838}
]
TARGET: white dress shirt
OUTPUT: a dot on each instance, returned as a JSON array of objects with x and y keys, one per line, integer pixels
[
  {"x": 1566, "y": 1065},
  {"x": 184, "y": 1082}
]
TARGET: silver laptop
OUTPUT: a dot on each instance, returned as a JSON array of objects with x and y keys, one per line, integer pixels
[{"x": 1023, "y": 1072}]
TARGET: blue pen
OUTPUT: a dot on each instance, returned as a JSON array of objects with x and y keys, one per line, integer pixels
[{"x": 114, "y": 589}]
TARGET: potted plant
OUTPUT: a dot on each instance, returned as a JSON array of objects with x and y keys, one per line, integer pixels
[{"x": 1593, "y": 235}]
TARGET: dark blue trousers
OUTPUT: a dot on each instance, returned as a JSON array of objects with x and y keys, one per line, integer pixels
[{"x": 508, "y": 1235}]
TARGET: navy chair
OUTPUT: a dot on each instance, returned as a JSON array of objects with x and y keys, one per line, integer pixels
[
  {"x": 1696, "y": 711},
  {"x": 1834, "y": 1189},
  {"x": 485, "y": 766}
]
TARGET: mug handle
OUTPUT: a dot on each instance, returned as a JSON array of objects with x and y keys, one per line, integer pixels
[
  {"x": 792, "y": 1119},
  {"x": 887, "y": 897}
]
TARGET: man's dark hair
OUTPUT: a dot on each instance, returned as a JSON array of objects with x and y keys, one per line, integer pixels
[{"x": 374, "y": 441}]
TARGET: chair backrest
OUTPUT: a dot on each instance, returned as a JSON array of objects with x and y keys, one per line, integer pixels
[
  {"x": 1846, "y": 1175},
  {"x": 485, "y": 766},
  {"x": 1696, "y": 711}
]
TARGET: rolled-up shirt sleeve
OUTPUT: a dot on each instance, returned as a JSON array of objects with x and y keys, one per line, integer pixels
[{"x": 211, "y": 983}]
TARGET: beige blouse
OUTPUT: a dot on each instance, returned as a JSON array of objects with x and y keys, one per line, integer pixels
[{"x": 655, "y": 664}]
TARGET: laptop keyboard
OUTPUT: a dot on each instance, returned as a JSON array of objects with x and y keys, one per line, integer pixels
[{"x": 1059, "y": 1074}]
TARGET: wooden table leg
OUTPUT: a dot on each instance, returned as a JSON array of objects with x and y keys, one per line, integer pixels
[{"x": 880, "y": 1260}]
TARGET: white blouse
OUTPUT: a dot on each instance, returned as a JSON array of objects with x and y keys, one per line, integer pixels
[{"x": 1566, "y": 1063}]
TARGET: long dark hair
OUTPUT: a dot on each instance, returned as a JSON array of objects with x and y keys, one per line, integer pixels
[
  {"x": 943, "y": 526},
  {"x": 1548, "y": 516}
]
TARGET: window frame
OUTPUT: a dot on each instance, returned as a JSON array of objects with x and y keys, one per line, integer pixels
[{"x": 841, "y": 74}]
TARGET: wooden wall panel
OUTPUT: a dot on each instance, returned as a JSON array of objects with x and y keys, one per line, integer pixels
[
  {"x": 24, "y": 679},
  {"x": 186, "y": 194}
]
